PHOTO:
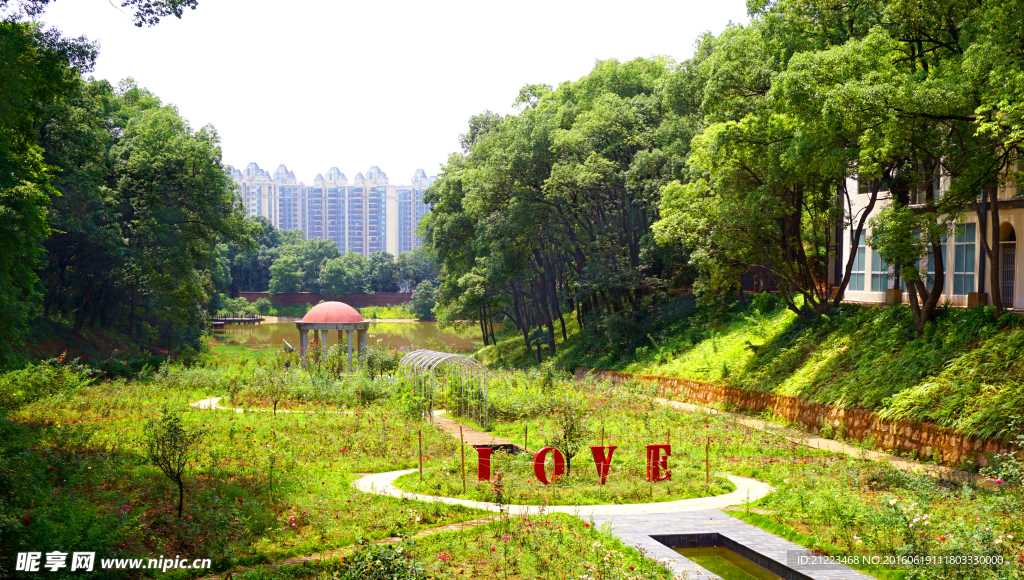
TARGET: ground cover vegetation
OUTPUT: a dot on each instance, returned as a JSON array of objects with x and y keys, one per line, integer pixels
[
  {"x": 127, "y": 468},
  {"x": 839, "y": 505},
  {"x": 94, "y": 463},
  {"x": 517, "y": 548},
  {"x": 78, "y": 459}
]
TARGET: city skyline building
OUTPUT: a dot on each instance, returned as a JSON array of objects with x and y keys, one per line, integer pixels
[{"x": 367, "y": 216}]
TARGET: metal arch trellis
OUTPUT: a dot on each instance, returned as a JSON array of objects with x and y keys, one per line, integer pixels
[{"x": 463, "y": 382}]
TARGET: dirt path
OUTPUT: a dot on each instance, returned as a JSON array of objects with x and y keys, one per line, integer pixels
[
  {"x": 470, "y": 435},
  {"x": 345, "y": 551}
]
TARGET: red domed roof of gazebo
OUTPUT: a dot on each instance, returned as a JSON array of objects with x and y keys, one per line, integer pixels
[{"x": 332, "y": 312}]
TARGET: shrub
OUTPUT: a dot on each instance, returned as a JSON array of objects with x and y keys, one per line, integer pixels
[
  {"x": 263, "y": 305},
  {"x": 376, "y": 562},
  {"x": 381, "y": 360},
  {"x": 50, "y": 377}
]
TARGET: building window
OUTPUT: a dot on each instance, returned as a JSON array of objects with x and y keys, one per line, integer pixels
[
  {"x": 865, "y": 185},
  {"x": 963, "y": 258},
  {"x": 879, "y": 272},
  {"x": 857, "y": 273},
  {"x": 930, "y": 272}
]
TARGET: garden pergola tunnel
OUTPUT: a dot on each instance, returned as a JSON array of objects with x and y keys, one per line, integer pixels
[{"x": 456, "y": 381}]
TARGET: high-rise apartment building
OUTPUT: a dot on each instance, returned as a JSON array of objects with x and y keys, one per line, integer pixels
[{"x": 367, "y": 216}]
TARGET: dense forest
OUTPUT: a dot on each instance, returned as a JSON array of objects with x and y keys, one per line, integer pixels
[
  {"x": 602, "y": 196},
  {"x": 113, "y": 204},
  {"x": 285, "y": 261}
]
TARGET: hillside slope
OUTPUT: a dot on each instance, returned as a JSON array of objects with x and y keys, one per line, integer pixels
[{"x": 965, "y": 372}]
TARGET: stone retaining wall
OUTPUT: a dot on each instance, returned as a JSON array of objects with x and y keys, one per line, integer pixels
[
  {"x": 925, "y": 440},
  {"x": 353, "y": 300}
]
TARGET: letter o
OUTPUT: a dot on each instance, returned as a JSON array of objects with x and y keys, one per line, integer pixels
[{"x": 541, "y": 472}]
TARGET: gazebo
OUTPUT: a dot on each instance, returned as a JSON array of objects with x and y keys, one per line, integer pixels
[{"x": 328, "y": 316}]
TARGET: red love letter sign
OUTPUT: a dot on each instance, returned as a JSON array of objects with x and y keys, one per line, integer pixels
[
  {"x": 483, "y": 463},
  {"x": 656, "y": 463},
  {"x": 603, "y": 461},
  {"x": 538, "y": 465}
]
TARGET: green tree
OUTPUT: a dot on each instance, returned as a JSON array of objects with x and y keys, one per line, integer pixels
[
  {"x": 174, "y": 449},
  {"x": 344, "y": 275},
  {"x": 315, "y": 253},
  {"x": 40, "y": 70},
  {"x": 145, "y": 12},
  {"x": 286, "y": 274},
  {"x": 416, "y": 266},
  {"x": 381, "y": 273},
  {"x": 423, "y": 300},
  {"x": 550, "y": 210},
  {"x": 250, "y": 267}
]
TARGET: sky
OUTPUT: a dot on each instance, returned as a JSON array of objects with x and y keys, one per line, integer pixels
[{"x": 317, "y": 84}]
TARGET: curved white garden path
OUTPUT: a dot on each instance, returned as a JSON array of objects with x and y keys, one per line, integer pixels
[{"x": 746, "y": 489}]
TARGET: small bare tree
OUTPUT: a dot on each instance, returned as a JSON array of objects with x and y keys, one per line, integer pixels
[{"x": 173, "y": 448}]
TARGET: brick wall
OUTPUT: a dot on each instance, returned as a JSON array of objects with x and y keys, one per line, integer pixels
[
  {"x": 925, "y": 440},
  {"x": 353, "y": 300}
]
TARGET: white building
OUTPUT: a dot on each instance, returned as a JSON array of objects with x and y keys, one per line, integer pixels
[
  {"x": 967, "y": 269},
  {"x": 367, "y": 216}
]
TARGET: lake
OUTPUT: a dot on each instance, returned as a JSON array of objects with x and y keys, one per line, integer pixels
[{"x": 404, "y": 336}]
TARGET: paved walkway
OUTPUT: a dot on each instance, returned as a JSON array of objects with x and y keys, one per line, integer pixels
[{"x": 746, "y": 489}]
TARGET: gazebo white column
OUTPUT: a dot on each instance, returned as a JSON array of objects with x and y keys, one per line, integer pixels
[
  {"x": 348, "y": 333},
  {"x": 303, "y": 345},
  {"x": 321, "y": 331}
]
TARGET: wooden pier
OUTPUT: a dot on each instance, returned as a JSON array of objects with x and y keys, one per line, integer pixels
[{"x": 220, "y": 322}]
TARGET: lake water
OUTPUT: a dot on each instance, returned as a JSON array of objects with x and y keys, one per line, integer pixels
[{"x": 405, "y": 336}]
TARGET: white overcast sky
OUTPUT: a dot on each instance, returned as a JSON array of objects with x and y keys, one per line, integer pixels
[{"x": 315, "y": 84}]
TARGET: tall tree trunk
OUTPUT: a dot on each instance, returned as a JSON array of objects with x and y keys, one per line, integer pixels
[
  {"x": 181, "y": 497},
  {"x": 552, "y": 279},
  {"x": 855, "y": 241},
  {"x": 520, "y": 320},
  {"x": 483, "y": 326},
  {"x": 131, "y": 317},
  {"x": 923, "y": 302},
  {"x": 991, "y": 249}
]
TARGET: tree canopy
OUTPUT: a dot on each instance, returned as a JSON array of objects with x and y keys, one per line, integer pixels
[{"x": 602, "y": 195}]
